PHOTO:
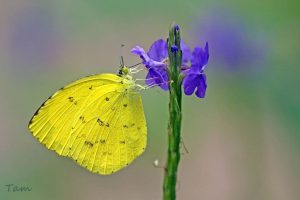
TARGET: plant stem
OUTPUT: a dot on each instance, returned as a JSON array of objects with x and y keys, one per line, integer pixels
[{"x": 175, "y": 116}]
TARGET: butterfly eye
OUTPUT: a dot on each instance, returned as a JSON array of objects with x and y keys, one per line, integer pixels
[{"x": 125, "y": 70}]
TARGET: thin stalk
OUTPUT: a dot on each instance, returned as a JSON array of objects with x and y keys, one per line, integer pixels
[{"x": 175, "y": 115}]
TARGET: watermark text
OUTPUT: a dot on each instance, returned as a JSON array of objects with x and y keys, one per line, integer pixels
[{"x": 17, "y": 188}]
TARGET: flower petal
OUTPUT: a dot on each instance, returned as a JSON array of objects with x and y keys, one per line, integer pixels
[
  {"x": 158, "y": 50},
  {"x": 165, "y": 80},
  {"x": 158, "y": 77},
  {"x": 194, "y": 82},
  {"x": 147, "y": 61},
  {"x": 150, "y": 80},
  {"x": 190, "y": 82},
  {"x": 140, "y": 52},
  {"x": 199, "y": 58},
  {"x": 200, "y": 92}
]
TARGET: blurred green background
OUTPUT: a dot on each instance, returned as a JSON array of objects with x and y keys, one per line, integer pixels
[{"x": 243, "y": 138}]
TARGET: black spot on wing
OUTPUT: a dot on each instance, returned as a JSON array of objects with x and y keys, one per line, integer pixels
[
  {"x": 102, "y": 141},
  {"x": 71, "y": 99},
  {"x": 82, "y": 119},
  {"x": 100, "y": 122},
  {"x": 89, "y": 144}
]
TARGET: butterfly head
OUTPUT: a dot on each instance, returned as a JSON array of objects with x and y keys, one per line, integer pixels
[{"x": 124, "y": 70}]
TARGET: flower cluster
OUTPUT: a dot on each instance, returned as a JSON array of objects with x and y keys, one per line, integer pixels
[{"x": 156, "y": 61}]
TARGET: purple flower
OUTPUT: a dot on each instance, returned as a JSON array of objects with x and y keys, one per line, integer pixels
[
  {"x": 156, "y": 61},
  {"x": 195, "y": 79}
]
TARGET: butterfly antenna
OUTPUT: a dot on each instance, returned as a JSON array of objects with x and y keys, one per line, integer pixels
[
  {"x": 122, "y": 61},
  {"x": 121, "y": 56}
]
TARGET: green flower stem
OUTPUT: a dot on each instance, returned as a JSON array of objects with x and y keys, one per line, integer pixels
[{"x": 175, "y": 115}]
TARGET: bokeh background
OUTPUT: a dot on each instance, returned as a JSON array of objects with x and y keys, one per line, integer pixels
[{"x": 243, "y": 138}]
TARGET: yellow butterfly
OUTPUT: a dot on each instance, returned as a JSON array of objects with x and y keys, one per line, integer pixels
[{"x": 98, "y": 121}]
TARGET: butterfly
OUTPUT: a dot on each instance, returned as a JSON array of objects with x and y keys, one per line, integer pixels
[{"x": 98, "y": 121}]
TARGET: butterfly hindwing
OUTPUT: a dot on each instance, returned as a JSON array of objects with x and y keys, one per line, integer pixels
[{"x": 126, "y": 138}]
